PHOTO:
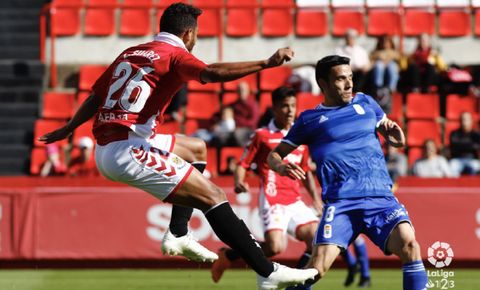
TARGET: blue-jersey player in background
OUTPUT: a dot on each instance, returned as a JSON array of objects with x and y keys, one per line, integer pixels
[{"x": 357, "y": 190}]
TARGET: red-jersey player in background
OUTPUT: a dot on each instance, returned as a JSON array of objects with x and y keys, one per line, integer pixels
[
  {"x": 280, "y": 204},
  {"x": 128, "y": 98}
]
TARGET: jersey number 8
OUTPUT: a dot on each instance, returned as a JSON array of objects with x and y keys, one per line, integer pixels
[{"x": 136, "y": 92}]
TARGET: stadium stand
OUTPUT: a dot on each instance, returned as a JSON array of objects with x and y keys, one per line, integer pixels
[
  {"x": 58, "y": 105},
  {"x": 422, "y": 106},
  {"x": 241, "y": 18}
]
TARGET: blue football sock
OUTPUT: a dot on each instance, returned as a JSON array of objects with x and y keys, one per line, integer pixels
[
  {"x": 349, "y": 259},
  {"x": 362, "y": 256},
  {"x": 302, "y": 262},
  {"x": 414, "y": 276}
]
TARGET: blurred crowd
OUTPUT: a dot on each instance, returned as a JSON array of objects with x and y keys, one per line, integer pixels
[{"x": 380, "y": 73}]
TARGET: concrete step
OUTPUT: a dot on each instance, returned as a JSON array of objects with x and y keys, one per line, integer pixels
[
  {"x": 16, "y": 137},
  {"x": 20, "y": 94},
  {"x": 19, "y": 109},
  {"x": 15, "y": 166},
  {"x": 20, "y": 68},
  {"x": 22, "y": 123},
  {"x": 14, "y": 151},
  {"x": 19, "y": 52},
  {"x": 9, "y": 82}
]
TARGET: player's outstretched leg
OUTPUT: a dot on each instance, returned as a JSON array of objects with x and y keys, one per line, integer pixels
[
  {"x": 198, "y": 192},
  {"x": 402, "y": 243},
  {"x": 178, "y": 241}
]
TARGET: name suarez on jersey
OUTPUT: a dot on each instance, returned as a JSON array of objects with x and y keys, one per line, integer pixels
[
  {"x": 150, "y": 54},
  {"x": 109, "y": 116}
]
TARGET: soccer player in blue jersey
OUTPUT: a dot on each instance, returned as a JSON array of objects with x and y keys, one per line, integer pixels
[{"x": 357, "y": 190}]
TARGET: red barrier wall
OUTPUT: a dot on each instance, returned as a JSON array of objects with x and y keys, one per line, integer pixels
[{"x": 66, "y": 218}]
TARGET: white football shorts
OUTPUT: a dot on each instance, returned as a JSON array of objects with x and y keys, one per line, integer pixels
[
  {"x": 287, "y": 218},
  {"x": 146, "y": 164}
]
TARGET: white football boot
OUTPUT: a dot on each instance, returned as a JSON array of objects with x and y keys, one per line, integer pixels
[
  {"x": 283, "y": 276},
  {"x": 186, "y": 246}
]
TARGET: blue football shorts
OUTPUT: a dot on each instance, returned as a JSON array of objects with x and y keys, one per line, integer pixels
[{"x": 344, "y": 219}]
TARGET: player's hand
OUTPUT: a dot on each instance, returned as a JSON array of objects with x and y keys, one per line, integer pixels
[
  {"x": 280, "y": 56},
  {"x": 291, "y": 170},
  {"x": 394, "y": 133},
  {"x": 241, "y": 187},
  {"x": 56, "y": 135}
]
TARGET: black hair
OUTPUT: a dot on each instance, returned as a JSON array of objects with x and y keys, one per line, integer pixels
[
  {"x": 178, "y": 18},
  {"x": 280, "y": 93},
  {"x": 325, "y": 64}
]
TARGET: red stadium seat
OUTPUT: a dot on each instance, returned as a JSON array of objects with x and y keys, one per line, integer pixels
[
  {"x": 202, "y": 105},
  {"x": 137, "y": 3},
  {"x": 420, "y": 130},
  {"x": 344, "y": 19},
  {"x": 191, "y": 126},
  {"x": 383, "y": 21},
  {"x": 209, "y": 23},
  {"x": 241, "y": 22},
  {"x": 418, "y": 21},
  {"x": 99, "y": 21},
  {"x": 477, "y": 22},
  {"x": 65, "y": 21},
  {"x": 396, "y": 112},
  {"x": 271, "y": 79},
  {"x": 196, "y": 86},
  {"x": 453, "y": 23},
  {"x": 135, "y": 22},
  {"x": 88, "y": 75},
  {"x": 103, "y": 3},
  {"x": 44, "y": 126},
  {"x": 414, "y": 153},
  {"x": 276, "y": 22},
  {"x": 307, "y": 101},
  {"x": 166, "y": 3},
  {"x": 457, "y": 104},
  {"x": 250, "y": 79},
  {"x": 265, "y": 102},
  {"x": 227, "y": 152},
  {"x": 311, "y": 22},
  {"x": 68, "y": 3},
  {"x": 84, "y": 130},
  {"x": 229, "y": 98},
  {"x": 278, "y": 3},
  {"x": 422, "y": 106},
  {"x": 57, "y": 105}
]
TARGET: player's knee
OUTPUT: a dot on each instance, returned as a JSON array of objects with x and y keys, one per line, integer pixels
[
  {"x": 275, "y": 248},
  {"x": 199, "y": 148},
  {"x": 322, "y": 271},
  {"x": 215, "y": 196},
  {"x": 411, "y": 251}
]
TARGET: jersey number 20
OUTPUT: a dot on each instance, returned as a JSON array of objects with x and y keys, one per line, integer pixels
[{"x": 135, "y": 93}]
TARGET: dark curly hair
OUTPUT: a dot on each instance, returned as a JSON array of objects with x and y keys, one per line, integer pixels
[{"x": 178, "y": 18}]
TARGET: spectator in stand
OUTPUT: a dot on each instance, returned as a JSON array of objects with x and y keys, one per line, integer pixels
[
  {"x": 223, "y": 131},
  {"x": 302, "y": 80},
  {"x": 54, "y": 165},
  {"x": 423, "y": 65},
  {"x": 397, "y": 164},
  {"x": 431, "y": 164},
  {"x": 176, "y": 109},
  {"x": 465, "y": 147},
  {"x": 385, "y": 71},
  {"x": 246, "y": 114},
  {"x": 359, "y": 60},
  {"x": 83, "y": 163}
]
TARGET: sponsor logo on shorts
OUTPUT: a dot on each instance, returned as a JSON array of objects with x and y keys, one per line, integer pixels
[
  {"x": 327, "y": 231},
  {"x": 395, "y": 214},
  {"x": 178, "y": 161}
]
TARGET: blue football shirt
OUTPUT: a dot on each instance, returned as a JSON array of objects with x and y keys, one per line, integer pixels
[{"x": 344, "y": 145}]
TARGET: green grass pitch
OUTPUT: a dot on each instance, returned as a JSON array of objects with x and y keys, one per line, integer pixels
[{"x": 186, "y": 279}]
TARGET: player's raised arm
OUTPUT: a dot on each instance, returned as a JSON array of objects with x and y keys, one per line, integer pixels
[
  {"x": 86, "y": 111},
  {"x": 275, "y": 161},
  {"x": 239, "y": 178},
  {"x": 229, "y": 71},
  {"x": 392, "y": 132}
]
